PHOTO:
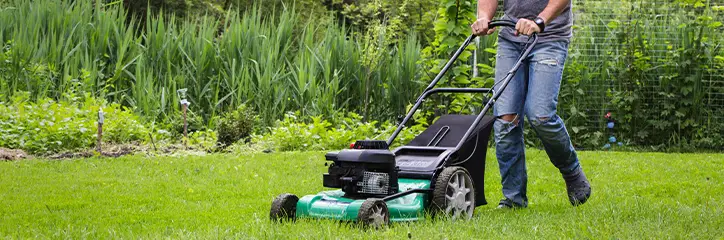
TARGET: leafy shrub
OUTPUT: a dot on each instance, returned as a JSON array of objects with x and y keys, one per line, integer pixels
[
  {"x": 175, "y": 123},
  {"x": 47, "y": 126},
  {"x": 178, "y": 8},
  {"x": 204, "y": 140},
  {"x": 236, "y": 125},
  {"x": 293, "y": 134}
]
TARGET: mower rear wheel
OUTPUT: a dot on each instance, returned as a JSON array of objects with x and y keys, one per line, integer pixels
[
  {"x": 284, "y": 208},
  {"x": 454, "y": 194},
  {"x": 373, "y": 213}
]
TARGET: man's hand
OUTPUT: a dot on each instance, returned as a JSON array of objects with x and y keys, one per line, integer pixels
[
  {"x": 526, "y": 27},
  {"x": 480, "y": 27}
]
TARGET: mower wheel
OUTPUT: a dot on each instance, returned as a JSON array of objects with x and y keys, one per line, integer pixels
[
  {"x": 284, "y": 208},
  {"x": 373, "y": 213},
  {"x": 454, "y": 194}
]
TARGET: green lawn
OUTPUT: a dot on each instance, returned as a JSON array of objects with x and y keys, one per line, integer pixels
[{"x": 635, "y": 195}]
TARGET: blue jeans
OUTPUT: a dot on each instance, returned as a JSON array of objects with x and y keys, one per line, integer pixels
[{"x": 532, "y": 93}]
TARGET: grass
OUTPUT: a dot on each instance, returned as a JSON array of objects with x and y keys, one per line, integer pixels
[{"x": 636, "y": 195}]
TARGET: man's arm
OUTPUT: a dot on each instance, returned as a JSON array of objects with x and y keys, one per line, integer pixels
[
  {"x": 486, "y": 11},
  {"x": 554, "y": 8}
]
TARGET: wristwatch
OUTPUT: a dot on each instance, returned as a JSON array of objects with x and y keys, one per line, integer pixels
[{"x": 541, "y": 24}]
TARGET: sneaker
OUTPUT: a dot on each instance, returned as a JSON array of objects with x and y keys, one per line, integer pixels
[
  {"x": 508, "y": 204},
  {"x": 578, "y": 187}
]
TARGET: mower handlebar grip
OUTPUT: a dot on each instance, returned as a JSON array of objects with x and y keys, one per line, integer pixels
[
  {"x": 494, "y": 24},
  {"x": 501, "y": 23}
]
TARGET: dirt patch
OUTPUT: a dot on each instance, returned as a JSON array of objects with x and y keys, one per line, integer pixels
[
  {"x": 112, "y": 151},
  {"x": 12, "y": 154},
  {"x": 108, "y": 151}
]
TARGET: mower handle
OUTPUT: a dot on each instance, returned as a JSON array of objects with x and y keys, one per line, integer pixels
[
  {"x": 501, "y": 23},
  {"x": 492, "y": 24},
  {"x": 448, "y": 65}
]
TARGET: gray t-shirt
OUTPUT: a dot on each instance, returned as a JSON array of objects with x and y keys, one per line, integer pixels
[{"x": 558, "y": 29}]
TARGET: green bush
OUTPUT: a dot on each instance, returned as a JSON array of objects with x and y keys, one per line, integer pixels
[
  {"x": 175, "y": 123},
  {"x": 203, "y": 140},
  {"x": 294, "y": 134},
  {"x": 179, "y": 8},
  {"x": 47, "y": 126},
  {"x": 236, "y": 125}
]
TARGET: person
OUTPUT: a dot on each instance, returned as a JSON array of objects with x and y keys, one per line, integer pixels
[{"x": 532, "y": 93}]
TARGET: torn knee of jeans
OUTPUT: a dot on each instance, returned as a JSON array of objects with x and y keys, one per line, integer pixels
[
  {"x": 537, "y": 121},
  {"x": 549, "y": 61},
  {"x": 509, "y": 119},
  {"x": 505, "y": 127}
]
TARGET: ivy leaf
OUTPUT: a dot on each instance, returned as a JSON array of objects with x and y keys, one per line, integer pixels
[
  {"x": 451, "y": 10},
  {"x": 575, "y": 129},
  {"x": 461, "y": 79},
  {"x": 686, "y": 90},
  {"x": 612, "y": 24}
]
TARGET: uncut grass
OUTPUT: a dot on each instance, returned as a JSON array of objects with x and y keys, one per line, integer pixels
[{"x": 636, "y": 195}]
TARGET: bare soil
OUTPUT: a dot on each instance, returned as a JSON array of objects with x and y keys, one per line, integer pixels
[{"x": 12, "y": 154}]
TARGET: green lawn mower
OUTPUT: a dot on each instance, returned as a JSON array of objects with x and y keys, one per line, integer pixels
[{"x": 440, "y": 172}]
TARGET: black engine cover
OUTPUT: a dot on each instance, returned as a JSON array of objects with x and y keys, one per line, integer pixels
[{"x": 362, "y": 173}]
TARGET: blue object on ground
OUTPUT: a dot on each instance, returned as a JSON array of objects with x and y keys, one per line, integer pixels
[
  {"x": 610, "y": 124},
  {"x": 612, "y": 139}
]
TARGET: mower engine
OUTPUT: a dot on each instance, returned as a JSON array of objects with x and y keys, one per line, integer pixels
[{"x": 367, "y": 170}]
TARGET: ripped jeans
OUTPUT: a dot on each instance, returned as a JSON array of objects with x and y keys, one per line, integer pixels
[{"x": 532, "y": 93}]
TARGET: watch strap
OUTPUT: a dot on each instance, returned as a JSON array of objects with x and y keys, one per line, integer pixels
[{"x": 541, "y": 23}]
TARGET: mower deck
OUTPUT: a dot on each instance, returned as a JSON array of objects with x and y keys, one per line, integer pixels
[{"x": 332, "y": 204}]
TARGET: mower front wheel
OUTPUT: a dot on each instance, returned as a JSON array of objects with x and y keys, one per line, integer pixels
[
  {"x": 284, "y": 208},
  {"x": 454, "y": 194},
  {"x": 373, "y": 213}
]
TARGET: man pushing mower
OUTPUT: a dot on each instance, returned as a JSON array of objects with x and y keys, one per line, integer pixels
[
  {"x": 441, "y": 171},
  {"x": 532, "y": 93}
]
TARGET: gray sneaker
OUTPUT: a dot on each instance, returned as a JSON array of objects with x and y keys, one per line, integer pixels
[
  {"x": 509, "y": 204},
  {"x": 579, "y": 189}
]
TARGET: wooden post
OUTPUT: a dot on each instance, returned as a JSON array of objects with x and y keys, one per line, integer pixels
[
  {"x": 101, "y": 119},
  {"x": 184, "y": 107}
]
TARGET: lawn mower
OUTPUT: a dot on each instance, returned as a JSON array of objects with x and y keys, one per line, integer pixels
[{"x": 439, "y": 172}]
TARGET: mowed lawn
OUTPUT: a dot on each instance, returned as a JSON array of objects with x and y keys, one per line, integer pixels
[{"x": 635, "y": 195}]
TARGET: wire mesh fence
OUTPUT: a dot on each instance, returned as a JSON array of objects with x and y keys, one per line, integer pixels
[{"x": 657, "y": 65}]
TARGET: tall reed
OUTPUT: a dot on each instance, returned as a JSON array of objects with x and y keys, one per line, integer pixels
[{"x": 274, "y": 63}]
